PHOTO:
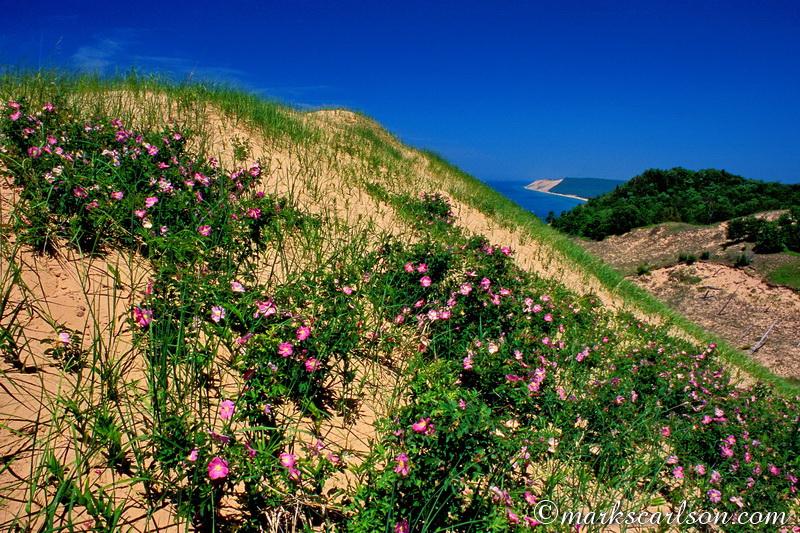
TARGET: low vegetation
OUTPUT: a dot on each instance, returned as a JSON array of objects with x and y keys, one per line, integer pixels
[
  {"x": 675, "y": 195},
  {"x": 769, "y": 236},
  {"x": 500, "y": 388}
]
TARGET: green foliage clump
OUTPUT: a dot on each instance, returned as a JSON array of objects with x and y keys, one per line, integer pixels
[
  {"x": 743, "y": 260},
  {"x": 769, "y": 236},
  {"x": 676, "y": 195}
]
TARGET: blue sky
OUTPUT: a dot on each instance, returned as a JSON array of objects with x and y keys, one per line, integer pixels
[{"x": 506, "y": 90}]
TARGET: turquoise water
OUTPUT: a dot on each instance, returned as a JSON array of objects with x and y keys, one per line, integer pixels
[{"x": 538, "y": 203}]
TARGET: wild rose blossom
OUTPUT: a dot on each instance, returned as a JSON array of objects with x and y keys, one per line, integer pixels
[
  {"x": 311, "y": 364},
  {"x": 217, "y": 313},
  {"x": 468, "y": 362},
  {"x": 302, "y": 333},
  {"x": 142, "y": 316},
  {"x": 226, "y": 409},
  {"x": 265, "y": 308},
  {"x": 285, "y": 349},
  {"x": 217, "y": 468},
  {"x": 289, "y": 461},
  {"x": 423, "y": 425},
  {"x": 402, "y": 467}
]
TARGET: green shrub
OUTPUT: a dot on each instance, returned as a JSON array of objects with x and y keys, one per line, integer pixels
[
  {"x": 743, "y": 260},
  {"x": 770, "y": 238}
]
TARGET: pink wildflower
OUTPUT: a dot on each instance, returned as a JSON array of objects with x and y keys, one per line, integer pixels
[
  {"x": 285, "y": 349},
  {"x": 289, "y": 461},
  {"x": 64, "y": 338},
  {"x": 425, "y": 281},
  {"x": 402, "y": 527},
  {"x": 217, "y": 468},
  {"x": 726, "y": 451},
  {"x": 226, "y": 409},
  {"x": 192, "y": 457},
  {"x": 266, "y": 308},
  {"x": 150, "y": 201},
  {"x": 217, "y": 313},
  {"x": 424, "y": 425},
  {"x": 302, "y": 333},
  {"x": 142, "y": 316},
  {"x": 714, "y": 496},
  {"x": 204, "y": 230},
  {"x": 237, "y": 287},
  {"x": 251, "y": 452},
  {"x": 311, "y": 364},
  {"x": 402, "y": 464}
]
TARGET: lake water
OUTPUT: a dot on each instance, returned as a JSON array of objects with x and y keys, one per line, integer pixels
[{"x": 538, "y": 203}]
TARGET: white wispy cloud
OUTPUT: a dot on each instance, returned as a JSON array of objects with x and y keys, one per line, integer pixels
[{"x": 98, "y": 56}]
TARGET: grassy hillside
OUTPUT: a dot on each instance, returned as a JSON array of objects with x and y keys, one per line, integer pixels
[
  {"x": 676, "y": 195},
  {"x": 223, "y": 313}
]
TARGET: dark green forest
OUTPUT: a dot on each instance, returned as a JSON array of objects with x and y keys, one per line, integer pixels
[
  {"x": 675, "y": 195},
  {"x": 586, "y": 187}
]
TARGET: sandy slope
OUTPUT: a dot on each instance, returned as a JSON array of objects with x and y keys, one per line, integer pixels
[
  {"x": 68, "y": 291},
  {"x": 735, "y": 303}
]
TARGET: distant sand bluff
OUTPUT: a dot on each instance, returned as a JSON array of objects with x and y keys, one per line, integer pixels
[{"x": 546, "y": 186}]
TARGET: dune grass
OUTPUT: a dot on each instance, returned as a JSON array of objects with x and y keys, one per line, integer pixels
[{"x": 216, "y": 385}]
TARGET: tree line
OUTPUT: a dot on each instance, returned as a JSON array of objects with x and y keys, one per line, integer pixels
[{"x": 678, "y": 195}]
